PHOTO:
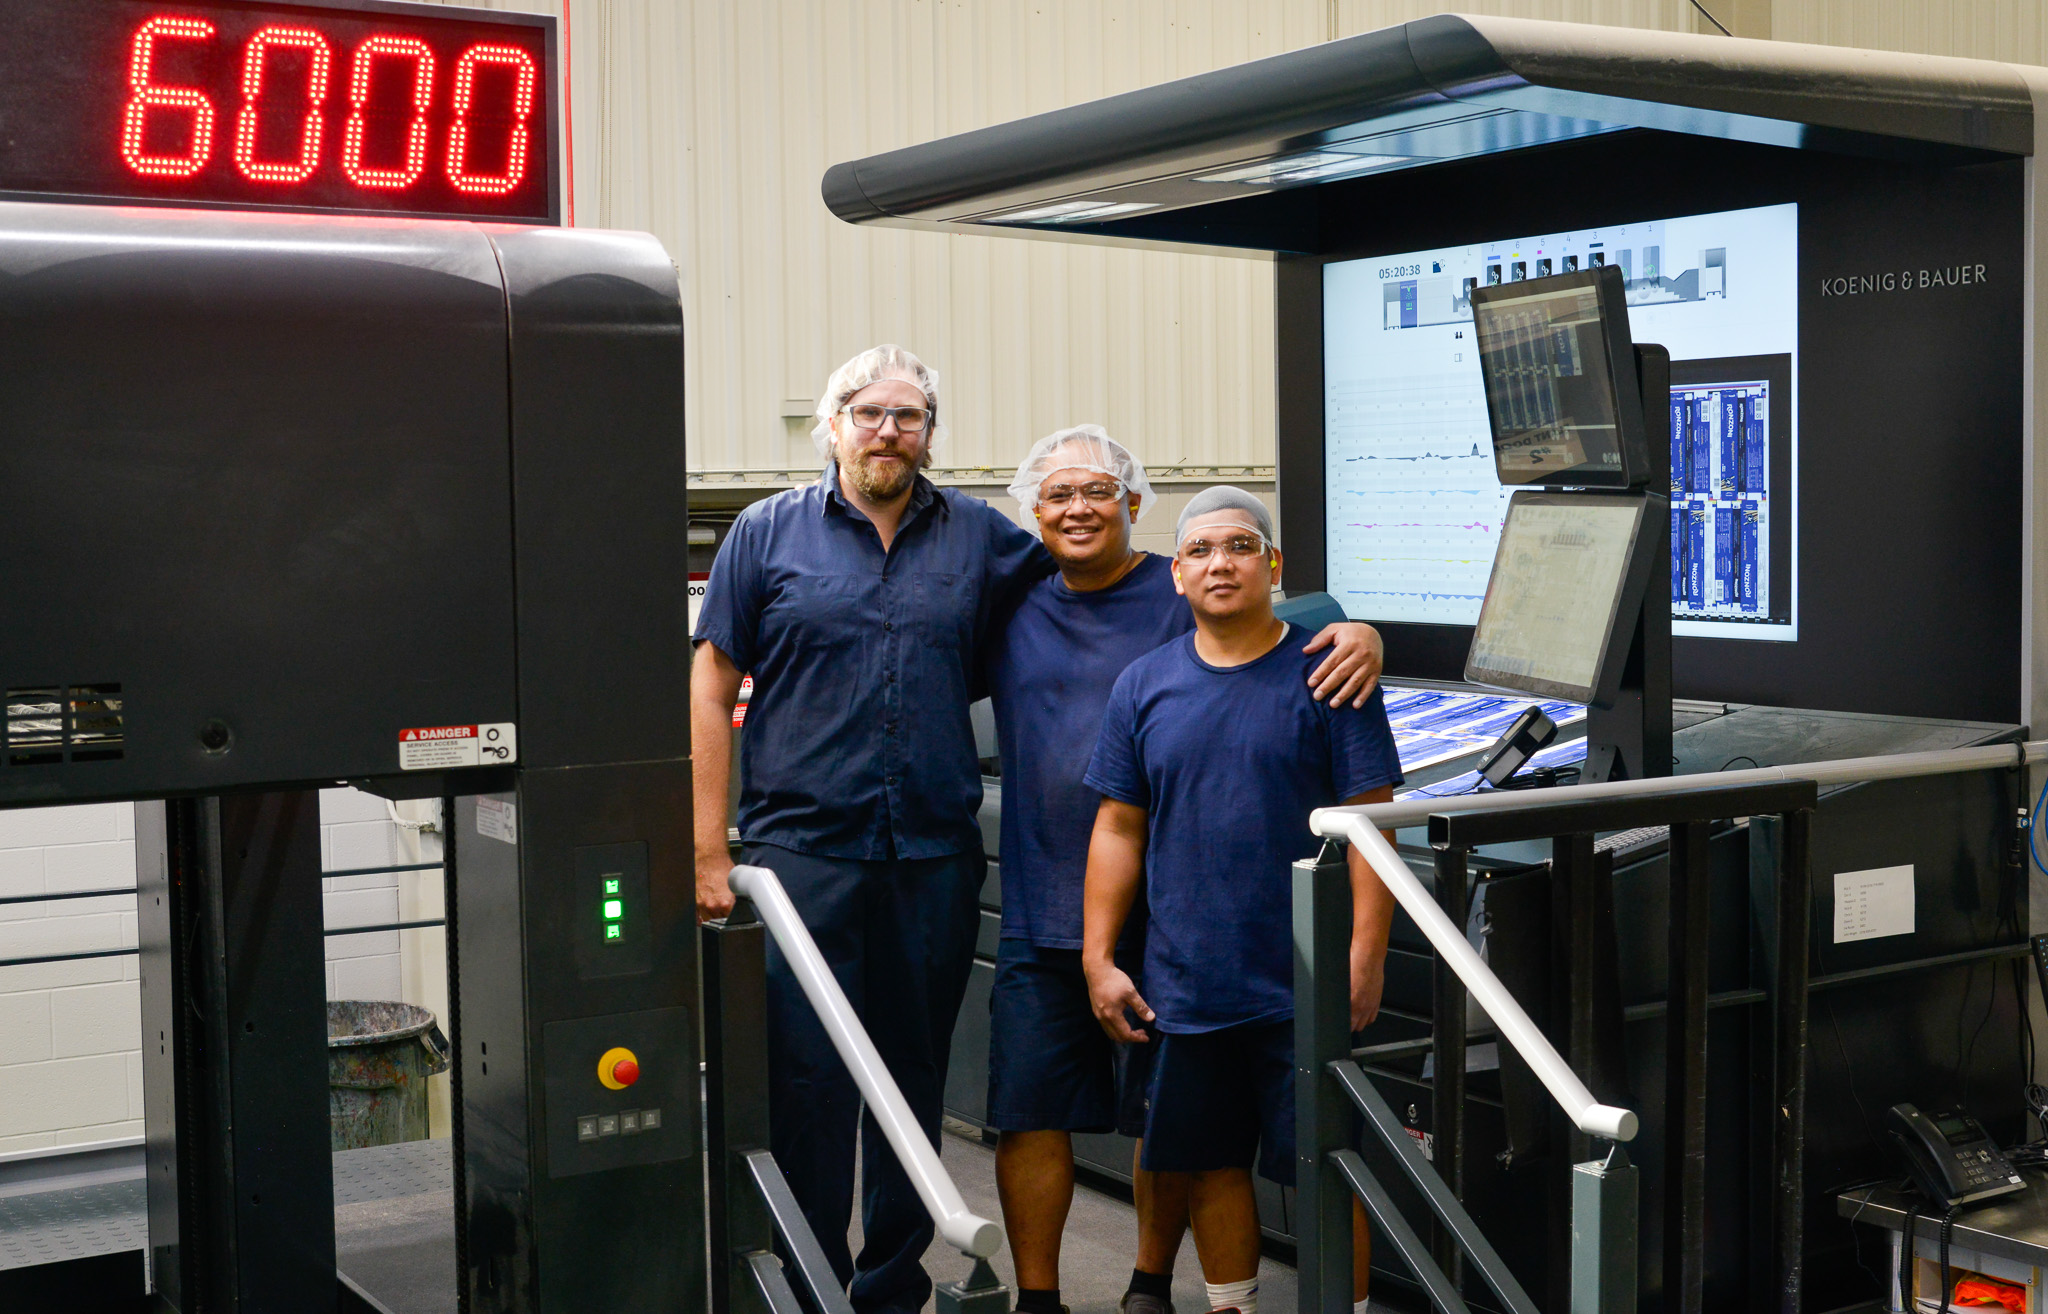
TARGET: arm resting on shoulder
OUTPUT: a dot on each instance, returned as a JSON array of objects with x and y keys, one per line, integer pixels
[
  {"x": 714, "y": 692},
  {"x": 1116, "y": 870},
  {"x": 1352, "y": 670}
]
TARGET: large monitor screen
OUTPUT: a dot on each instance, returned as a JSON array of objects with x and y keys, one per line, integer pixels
[{"x": 1414, "y": 504}]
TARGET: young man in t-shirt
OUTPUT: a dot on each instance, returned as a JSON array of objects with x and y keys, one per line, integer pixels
[
  {"x": 1211, "y": 757},
  {"x": 1050, "y": 667}
]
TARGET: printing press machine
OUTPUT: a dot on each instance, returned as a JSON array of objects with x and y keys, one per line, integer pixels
[{"x": 1960, "y": 826}]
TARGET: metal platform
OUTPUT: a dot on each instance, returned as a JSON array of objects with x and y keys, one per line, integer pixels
[{"x": 394, "y": 1221}]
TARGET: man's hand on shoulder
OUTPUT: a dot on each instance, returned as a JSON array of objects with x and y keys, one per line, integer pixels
[{"x": 1352, "y": 670}]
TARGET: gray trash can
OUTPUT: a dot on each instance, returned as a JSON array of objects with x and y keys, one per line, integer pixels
[{"x": 379, "y": 1056}]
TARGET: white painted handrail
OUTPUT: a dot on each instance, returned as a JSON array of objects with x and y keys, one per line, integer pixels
[
  {"x": 1587, "y": 1113},
  {"x": 1360, "y": 827},
  {"x": 972, "y": 1235}
]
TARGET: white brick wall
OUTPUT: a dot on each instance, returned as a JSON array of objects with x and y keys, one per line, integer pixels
[{"x": 70, "y": 1062}]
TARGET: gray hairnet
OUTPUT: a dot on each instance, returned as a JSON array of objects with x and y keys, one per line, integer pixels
[
  {"x": 887, "y": 361},
  {"x": 1225, "y": 498},
  {"x": 1083, "y": 447}
]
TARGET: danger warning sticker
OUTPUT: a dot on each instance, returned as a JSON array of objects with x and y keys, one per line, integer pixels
[{"x": 442, "y": 747}]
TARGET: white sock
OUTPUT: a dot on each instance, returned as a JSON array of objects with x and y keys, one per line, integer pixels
[
  {"x": 1242, "y": 1296},
  {"x": 1362, "y": 1306}
]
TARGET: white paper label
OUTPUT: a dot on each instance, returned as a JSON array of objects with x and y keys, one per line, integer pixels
[
  {"x": 442, "y": 747},
  {"x": 699, "y": 586},
  {"x": 1874, "y": 903},
  {"x": 497, "y": 819}
]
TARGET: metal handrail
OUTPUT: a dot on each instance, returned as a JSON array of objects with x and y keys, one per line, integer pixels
[
  {"x": 1589, "y": 1114},
  {"x": 1360, "y": 827},
  {"x": 972, "y": 1235},
  {"x": 1404, "y": 812}
]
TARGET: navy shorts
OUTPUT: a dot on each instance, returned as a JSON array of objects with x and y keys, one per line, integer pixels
[
  {"x": 1051, "y": 1067},
  {"x": 1222, "y": 1099}
]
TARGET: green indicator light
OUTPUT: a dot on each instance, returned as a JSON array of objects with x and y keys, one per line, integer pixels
[
  {"x": 611, "y": 932},
  {"x": 611, "y": 885},
  {"x": 614, "y": 909}
]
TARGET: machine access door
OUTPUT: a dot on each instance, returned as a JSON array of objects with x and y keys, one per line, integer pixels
[{"x": 257, "y": 484}]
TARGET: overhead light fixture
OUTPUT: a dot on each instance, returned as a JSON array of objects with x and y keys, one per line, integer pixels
[
  {"x": 1313, "y": 166},
  {"x": 1071, "y": 212}
]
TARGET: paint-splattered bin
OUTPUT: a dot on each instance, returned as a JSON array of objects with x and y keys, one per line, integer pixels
[{"x": 379, "y": 1056}]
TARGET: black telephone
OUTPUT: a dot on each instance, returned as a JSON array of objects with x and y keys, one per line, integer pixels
[{"x": 1952, "y": 1158}]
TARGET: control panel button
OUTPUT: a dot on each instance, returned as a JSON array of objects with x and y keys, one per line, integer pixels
[
  {"x": 608, "y": 1125},
  {"x": 650, "y": 1120},
  {"x": 619, "y": 1068},
  {"x": 586, "y": 1128}
]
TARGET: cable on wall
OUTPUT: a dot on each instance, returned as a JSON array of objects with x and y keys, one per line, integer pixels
[{"x": 1695, "y": 4}]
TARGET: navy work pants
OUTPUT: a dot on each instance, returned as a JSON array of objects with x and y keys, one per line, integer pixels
[{"x": 899, "y": 936}]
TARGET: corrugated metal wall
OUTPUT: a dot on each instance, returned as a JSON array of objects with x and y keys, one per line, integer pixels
[
  {"x": 2012, "y": 30},
  {"x": 710, "y": 122}
]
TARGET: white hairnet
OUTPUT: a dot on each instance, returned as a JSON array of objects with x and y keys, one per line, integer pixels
[
  {"x": 887, "y": 361},
  {"x": 1083, "y": 447},
  {"x": 1223, "y": 497}
]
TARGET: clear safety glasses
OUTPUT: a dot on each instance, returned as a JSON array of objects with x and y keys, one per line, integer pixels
[
  {"x": 1203, "y": 547},
  {"x": 909, "y": 419},
  {"x": 1099, "y": 493}
]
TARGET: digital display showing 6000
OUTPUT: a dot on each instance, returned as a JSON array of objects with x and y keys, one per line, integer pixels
[{"x": 365, "y": 107}]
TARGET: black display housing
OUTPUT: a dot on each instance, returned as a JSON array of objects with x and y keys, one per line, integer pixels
[
  {"x": 67, "y": 88},
  {"x": 1538, "y": 407}
]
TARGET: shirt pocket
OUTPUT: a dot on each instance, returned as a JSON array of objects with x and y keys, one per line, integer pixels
[
  {"x": 823, "y": 612},
  {"x": 944, "y": 609}
]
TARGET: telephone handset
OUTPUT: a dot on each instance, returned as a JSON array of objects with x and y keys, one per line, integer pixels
[{"x": 1953, "y": 1160}]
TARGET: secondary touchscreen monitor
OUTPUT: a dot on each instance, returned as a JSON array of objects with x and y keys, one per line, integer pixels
[
  {"x": 1558, "y": 367},
  {"x": 1561, "y": 604}
]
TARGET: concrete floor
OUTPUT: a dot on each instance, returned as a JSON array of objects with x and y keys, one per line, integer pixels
[
  {"x": 400, "y": 1248},
  {"x": 1101, "y": 1238}
]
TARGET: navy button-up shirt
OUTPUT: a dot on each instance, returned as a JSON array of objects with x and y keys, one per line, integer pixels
[{"x": 858, "y": 743}]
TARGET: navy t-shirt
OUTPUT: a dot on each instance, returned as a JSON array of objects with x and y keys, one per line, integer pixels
[
  {"x": 1050, "y": 670},
  {"x": 1228, "y": 762}
]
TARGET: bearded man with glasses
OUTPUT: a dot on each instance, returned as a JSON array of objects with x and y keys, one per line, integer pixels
[
  {"x": 1051, "y": 665},
  {"x": 859, "y": 605}
]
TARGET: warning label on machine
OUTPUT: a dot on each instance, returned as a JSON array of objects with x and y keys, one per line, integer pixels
[
  {"x": 442, "y": 747},
  {"x": 498, "y": 819}
]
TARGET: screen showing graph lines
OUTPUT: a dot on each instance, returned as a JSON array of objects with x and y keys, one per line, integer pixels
[{"x": 1414, "y": 508}]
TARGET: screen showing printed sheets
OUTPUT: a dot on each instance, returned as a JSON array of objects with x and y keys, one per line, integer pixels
[{"x": 1414, "y": 510}]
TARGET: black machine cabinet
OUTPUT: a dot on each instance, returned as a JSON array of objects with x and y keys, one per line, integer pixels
[{"x": 295, "y": 501}]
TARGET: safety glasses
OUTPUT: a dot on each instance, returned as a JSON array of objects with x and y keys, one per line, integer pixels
[{"x": 909, "y": 419}]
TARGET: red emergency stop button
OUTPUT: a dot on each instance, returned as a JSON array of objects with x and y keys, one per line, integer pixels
[{"x": 618, "y": 1069}]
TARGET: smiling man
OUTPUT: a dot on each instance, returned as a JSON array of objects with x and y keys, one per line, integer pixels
[
  {"x": 1051, "y": 665},
  {"x": 1211, "y": 757}
]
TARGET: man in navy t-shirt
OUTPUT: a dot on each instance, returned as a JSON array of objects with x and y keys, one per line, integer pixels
[
  {"x": 1050, "y": 666},
  {"x": 1211, "y": 757}
]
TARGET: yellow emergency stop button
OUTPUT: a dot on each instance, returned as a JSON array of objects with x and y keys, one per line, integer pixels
[{"x": 618, "y": 1069}]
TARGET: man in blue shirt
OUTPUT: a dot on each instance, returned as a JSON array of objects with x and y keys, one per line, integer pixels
[
  {"x": 1052, "y": 1071},
  {"x": 859, "y": 605},
  {"x": 1211, "y": 757}
]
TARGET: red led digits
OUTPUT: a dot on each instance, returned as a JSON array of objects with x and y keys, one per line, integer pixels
[
  {"x": 522, "y": 109},
  {"x": 252, "y": 94},
  {"x": 147, "y": 96},
  {"x": 367, "y": 54},
  {"x": 396, "y": 116}
]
